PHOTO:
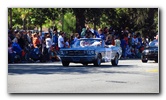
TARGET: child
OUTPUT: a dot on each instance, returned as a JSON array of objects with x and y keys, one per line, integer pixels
[
  {"x": 67, "y": 43},
  {"x": 128, "y": 51}
]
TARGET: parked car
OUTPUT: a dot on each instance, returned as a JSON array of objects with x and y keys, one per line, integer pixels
[
  {"x": 92, "y": 50},
  {"x": 150, "y": 52}
]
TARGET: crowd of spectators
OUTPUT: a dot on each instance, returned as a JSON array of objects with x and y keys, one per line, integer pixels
[
  {"x": 50, "y": 43},
  {"x": 131, "y": 42}
]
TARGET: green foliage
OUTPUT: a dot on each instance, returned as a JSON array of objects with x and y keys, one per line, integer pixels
[
  {"x": 144, "y": 20},
  {"x": 69, "y": 23}
]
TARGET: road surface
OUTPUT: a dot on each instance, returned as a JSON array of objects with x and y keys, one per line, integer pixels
[{"x": 130, "y": 76}]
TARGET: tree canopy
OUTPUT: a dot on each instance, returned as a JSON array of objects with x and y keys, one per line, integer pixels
[{"x": 144, "y": 20}]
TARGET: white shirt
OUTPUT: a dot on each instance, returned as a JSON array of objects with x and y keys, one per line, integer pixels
[
  {"x": 117, "y": 42},
  {"x": 60, "y": 40},
  {"x": 15, "y": 40},
  {"x": 96, "y": 43},
  {"x": 48, "y": 42}
]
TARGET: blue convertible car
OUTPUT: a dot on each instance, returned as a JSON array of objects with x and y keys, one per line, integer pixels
[{"x": 92, "y": 50}]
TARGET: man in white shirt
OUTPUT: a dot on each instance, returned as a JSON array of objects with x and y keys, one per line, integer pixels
[
  {"x": 61, "y": 43},
  {"x": 48, "y": 47},
  {"x": 48, "y": 42}
]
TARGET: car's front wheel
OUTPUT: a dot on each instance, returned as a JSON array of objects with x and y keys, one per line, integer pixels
[
  {"x": 156, "y": 60},
  {"x": 143, "y": 59},
  {"x": 98, "y": 60},
  {"x": 115, "y": 61},
  {"x": 85, "y": 64},
  {"x": 64, "y": 63}
]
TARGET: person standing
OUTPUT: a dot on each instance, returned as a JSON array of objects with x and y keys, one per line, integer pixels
[
  {"x": 88, "y": 33},
  {"x": 61, "y": 43},
  {"x": 134, "y": 41},
  {"x": 108, "y": 40},
  {"x": 29, "y": 37},
  {"x": 55, "y": 37},
  {"x": 76, "y": 37},
  {"x": 36, "y": 41},
  {"x": 123, "y": 46},
  {"x": 100, "y": 34},
  {"x": 117, "y": 41},
  {"x": 48, "y": 46},
  {"x": 67, "y": 45}
]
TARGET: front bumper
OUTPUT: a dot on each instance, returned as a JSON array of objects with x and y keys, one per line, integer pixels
[
  {"x": 79, "y": 59},
  {"x": 150, "y": 57}
]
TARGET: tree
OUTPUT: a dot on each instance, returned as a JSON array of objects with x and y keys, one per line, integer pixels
[
  {"x": 80, "y": 18},
  {"x": 144, "y": 20},
  {"x": 10, "y": 16},
  {"x": 40, "y": 16}
]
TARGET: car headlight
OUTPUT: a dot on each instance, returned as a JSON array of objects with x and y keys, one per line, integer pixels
[
  {"x": 61, "y": 52},
  {"x": 92, "y": 52},
  {"x": 146, "y": 51},
  {"x": 88, "y": 52},
  {"x": 66, "y": 52}
]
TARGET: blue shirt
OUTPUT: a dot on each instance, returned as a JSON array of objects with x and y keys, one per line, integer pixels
[
  {"x": 123, "y": 43},
  {"x": 55, "y": 39},
  {"x": 16, "y": 47},
  {"x": 75, "y": 39},
  {"x": 102, "y": 36}
]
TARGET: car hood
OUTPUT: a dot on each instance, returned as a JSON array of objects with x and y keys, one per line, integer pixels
[
  {"x": 151, "y": 48},
  {"x": 80, "y": 48}
]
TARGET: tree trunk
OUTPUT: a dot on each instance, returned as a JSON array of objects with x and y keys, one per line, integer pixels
[
  {"x": 40, "y": 27},
  {"x": 80, "y": 18},
  {"x": 10, "y": 14},
  {"x": 95, "y": 23},
  {"x": 151, "y": 22},
  {"x": 62, "y": 21},
  {"x": 24, "y": 24},
  {"x": 27, "y": 23}
]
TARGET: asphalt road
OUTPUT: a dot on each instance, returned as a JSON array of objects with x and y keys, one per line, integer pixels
[{"x": 130, "y": 76}]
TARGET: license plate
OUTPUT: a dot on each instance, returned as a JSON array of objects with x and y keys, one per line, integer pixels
[{"x": 76, "y": 59}]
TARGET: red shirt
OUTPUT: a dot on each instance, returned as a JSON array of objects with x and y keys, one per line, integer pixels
[
  {"x": 126, "y": 39},
  {"x": 35, "y": 42}
]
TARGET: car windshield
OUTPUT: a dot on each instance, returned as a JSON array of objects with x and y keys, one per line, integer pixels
[
  {"x": 154, "y": 43},
  {"x": 87, "y": 43}
]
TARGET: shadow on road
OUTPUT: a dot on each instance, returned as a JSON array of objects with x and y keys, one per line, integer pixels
[{"x": 56, "y": 69}]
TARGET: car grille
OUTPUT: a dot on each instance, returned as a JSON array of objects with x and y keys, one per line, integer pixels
[
  {"x": 76, "y": 53},
  {"x": 153, "y": 52}
]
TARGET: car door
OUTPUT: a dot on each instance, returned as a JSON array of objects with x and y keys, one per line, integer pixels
[{"x": 106, "y": 53}]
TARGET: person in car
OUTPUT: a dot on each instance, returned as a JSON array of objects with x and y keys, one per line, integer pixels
[
  {"x": 96, "y": 43},
  {"x": 99, "y": 34}
]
